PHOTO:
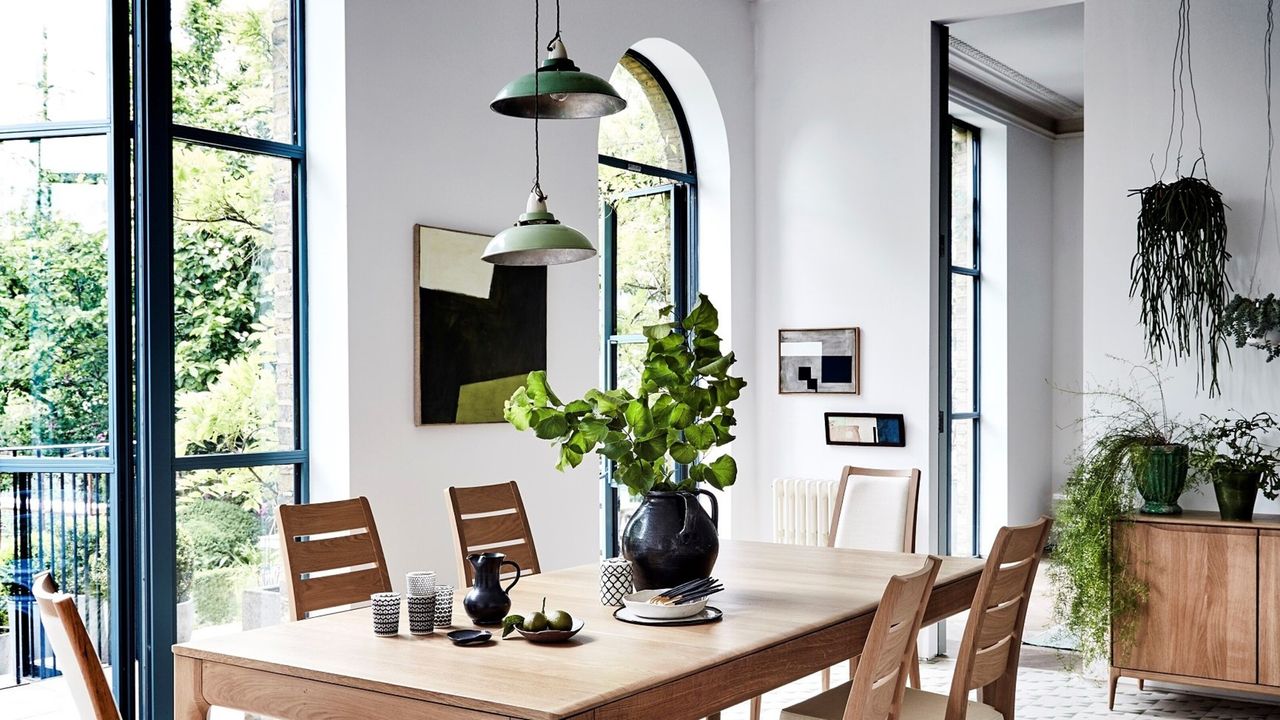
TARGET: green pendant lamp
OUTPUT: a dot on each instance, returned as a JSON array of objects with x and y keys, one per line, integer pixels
[
  {"x": 538, "y": 238},
  {"x": 558, "y": 90}
]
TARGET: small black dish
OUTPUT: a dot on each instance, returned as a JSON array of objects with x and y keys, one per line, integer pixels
[{"x": 470, "y": 637}]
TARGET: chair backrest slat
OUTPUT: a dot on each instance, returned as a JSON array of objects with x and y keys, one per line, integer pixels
[
  {"x": 349, "y": 555},
  {"x": 875, "y": 496},
  {"x": 86, "y": 680},
  {"x": 878, "y": 683},
  {"x": 989, "y": 652},
  {"x": 491, "y": 518}
]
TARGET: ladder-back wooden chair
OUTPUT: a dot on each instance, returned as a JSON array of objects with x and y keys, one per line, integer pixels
[
  {"x": 992, "y": 644},
  {"x": 876, "y": 690},
  {"x": 332, "y": 556},
  {"x": 491, "y": 518},
  {"x": 77, "y": 659}
]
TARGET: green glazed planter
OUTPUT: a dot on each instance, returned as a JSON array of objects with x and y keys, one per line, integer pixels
[
  {"x": 1237, "y": 491},
  {"x": 1164, "y": 479}
]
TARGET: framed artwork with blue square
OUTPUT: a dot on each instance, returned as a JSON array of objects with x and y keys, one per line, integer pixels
[{"x": 819, "y": 361}]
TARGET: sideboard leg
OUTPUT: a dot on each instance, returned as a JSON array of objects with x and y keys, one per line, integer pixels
[
  {"x": 1142, "y": 684},
  {"x": 1111, "y": 699}
]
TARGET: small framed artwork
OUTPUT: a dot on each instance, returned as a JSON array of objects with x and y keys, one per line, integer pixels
[
  {"x": 819, "y": 361},
  {"x": 882, "y": 429}
]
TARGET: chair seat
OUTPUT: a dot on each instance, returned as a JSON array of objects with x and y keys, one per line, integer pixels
[{"x": 916, "y": 705}]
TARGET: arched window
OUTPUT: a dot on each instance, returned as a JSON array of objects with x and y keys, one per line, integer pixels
[{"x": 648, "y": 207}]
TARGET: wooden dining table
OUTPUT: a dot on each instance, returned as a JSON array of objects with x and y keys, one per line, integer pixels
[{"x": 789, "y": 611}]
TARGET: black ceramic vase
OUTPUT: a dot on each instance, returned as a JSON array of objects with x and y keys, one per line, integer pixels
[{"x": 670, "y": 539}]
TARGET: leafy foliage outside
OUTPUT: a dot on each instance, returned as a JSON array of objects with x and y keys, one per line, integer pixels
[
  {"x": 229, "y": 215},
  {"x": 679, "y": 413}
]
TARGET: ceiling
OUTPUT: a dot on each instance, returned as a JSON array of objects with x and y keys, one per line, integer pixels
[{"x": 1036, "y": 58}]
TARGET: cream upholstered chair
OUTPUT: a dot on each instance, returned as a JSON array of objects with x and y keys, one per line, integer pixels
[
  {"x": 989, "y": 652},
  {"x": 876, "y": 690},
  {"x": 78, "y": 660},
  {"x": 875, "y": 509},
  {"x": 348, "y": 542}
]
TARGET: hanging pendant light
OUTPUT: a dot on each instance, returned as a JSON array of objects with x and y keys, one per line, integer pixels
[
  {"x": 558, "y": 89},
  {"x": 538, "y": 238}
]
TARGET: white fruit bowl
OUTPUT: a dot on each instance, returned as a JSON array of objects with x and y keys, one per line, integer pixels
[{"x": 638, "y": 603}]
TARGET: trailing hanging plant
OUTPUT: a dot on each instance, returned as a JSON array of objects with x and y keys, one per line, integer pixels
[
  {"x": 1093, "y": 595},
  {"x": 1255, "y": 322},
  {"x": 1179, "y": 271},
  {"x": 679, "y": 413}
]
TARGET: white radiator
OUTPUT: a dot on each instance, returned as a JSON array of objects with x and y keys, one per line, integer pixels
[{"x": 802, "y": 510}]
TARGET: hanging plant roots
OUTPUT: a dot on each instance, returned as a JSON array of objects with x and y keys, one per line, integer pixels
[{"x": 1180, "y": 273}]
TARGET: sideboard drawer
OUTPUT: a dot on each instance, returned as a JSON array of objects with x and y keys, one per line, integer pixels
[{"x": 1201, "y": 615}]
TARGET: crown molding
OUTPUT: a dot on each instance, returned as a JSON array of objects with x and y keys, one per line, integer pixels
[{"x": 1016, "y": 92}]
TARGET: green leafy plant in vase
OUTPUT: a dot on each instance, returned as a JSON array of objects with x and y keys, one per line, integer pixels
[
  {"x": 1233, "y": 454},
  {"x": 1132, "y": 447},
  {"x": 660, "y": 439}
]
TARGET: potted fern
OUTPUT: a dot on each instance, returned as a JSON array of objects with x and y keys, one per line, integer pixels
[
  {"x": 1133, "y": 448},
  {"x": 661, "y": 439}
]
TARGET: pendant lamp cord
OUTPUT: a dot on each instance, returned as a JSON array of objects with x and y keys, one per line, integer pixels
[
  {"x": 1268, "y": 186},
  {"x": 537, "y": 97},
  {"x": 551, "y": 45}
]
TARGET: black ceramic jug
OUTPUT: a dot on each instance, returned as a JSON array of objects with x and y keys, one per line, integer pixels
[
  {"x": 487, "y": 601},
  {"x": 671, "y": 540}
]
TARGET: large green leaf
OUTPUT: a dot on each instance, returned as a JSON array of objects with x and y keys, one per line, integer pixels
[
  {"x": 722, "y": 472},
  {"x": 681, "y": 416},
  {"x": 569, "y": 458},
  {"x": 639, "y": 418},
  {"x": 703, "y": 316},
  {"x": 549, "y": 424},
  {"x": 659, "y": 331},
  {"x": 517, "y": 410},
  {"x": 540, "y": 390},
  {"x": 683, "y": 453},
  {"x": 700, "y": 436}
]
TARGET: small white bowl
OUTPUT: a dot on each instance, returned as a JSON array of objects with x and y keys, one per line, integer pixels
[{"x": 638, "y": 603}]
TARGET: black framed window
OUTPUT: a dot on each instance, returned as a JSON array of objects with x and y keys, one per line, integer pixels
[
  {"x": 648, "y": 211},
  {"x": 152, "y": 317},
  {"x": 963, "y": 289}
]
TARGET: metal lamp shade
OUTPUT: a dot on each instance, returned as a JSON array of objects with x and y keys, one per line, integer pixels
[
  {"x": 560, "y": 91},
  {"x": 538, "y": 239}
]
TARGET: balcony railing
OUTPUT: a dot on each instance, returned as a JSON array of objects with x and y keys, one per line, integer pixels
[{"x": 53, "y": 520}]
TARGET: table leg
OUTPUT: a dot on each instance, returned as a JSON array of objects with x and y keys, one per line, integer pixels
[{"x": 188, "y": 695}]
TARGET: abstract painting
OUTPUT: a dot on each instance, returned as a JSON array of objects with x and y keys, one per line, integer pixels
[
  {"x": 479, "y": 328},
  {"x": 818, "y": 361},
  {"x": 865, "y": 429}
]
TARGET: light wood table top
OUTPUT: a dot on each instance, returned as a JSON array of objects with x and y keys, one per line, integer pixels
[{"x": 788, "y": 611}]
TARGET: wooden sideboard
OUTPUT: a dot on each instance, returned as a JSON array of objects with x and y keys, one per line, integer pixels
[{"x": 1212, "y": 615}]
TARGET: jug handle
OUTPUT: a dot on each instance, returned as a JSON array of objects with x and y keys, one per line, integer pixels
[
  {"x": 715, "y": 507},
  {"x": 515, "y": 579}
]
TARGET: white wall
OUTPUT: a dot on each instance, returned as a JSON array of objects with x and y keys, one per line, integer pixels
[
  {"x": 417, "y": 143},
  {"x": 843, "y": 195},
  {"x": 1128, "y": 120}
]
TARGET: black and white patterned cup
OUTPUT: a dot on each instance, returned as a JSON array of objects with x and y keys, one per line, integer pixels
[
  {"x": 420, "y": 582},
  {"x": 616, "y": 580},
  {"x": 444, "y": 605},
  {"x": 422, "y": 614},
  {"x": 386, "y": 613}
]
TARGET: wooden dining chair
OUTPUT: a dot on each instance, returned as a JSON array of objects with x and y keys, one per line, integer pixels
[
  {"x": 331, "y": 553},
  {"x": 992, "y": 644},
  {"x": 491, "y": 518},
  {"x": 875, "y": 509},
  {"x": 876, "y": 690},
  {"x": 75, "y": 654}
]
